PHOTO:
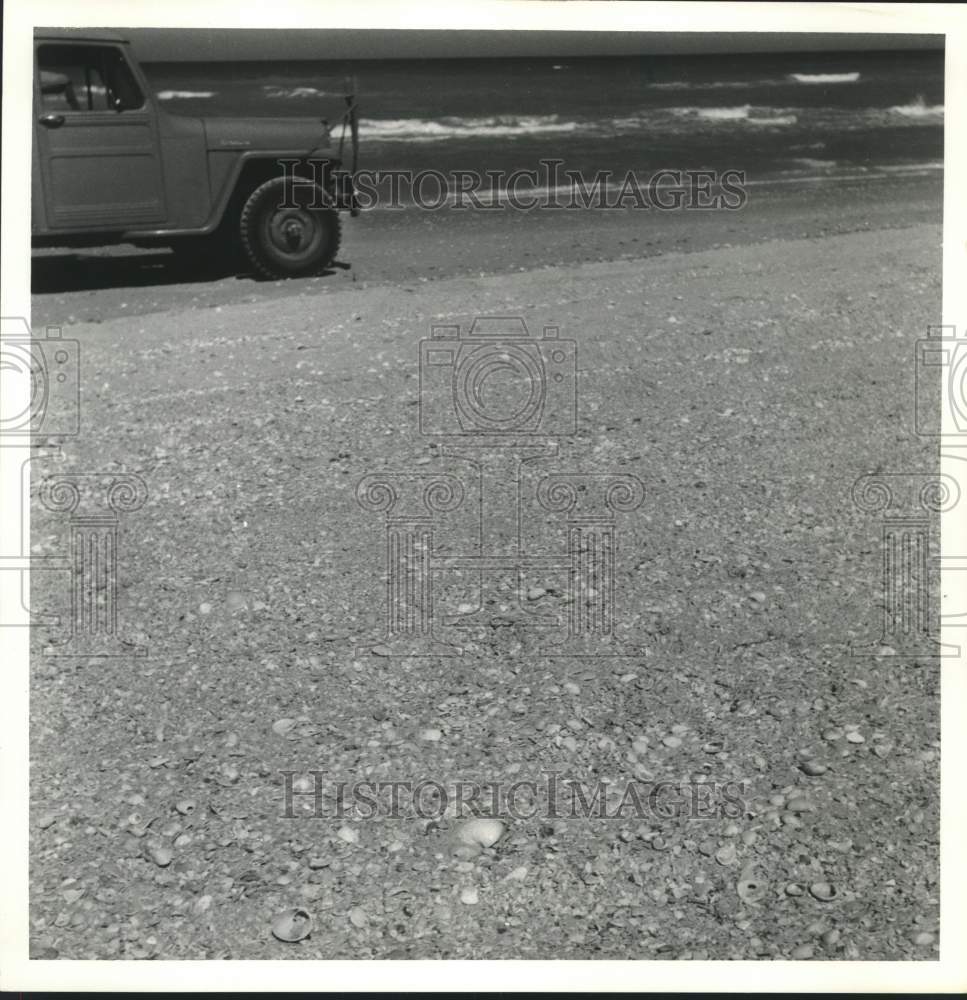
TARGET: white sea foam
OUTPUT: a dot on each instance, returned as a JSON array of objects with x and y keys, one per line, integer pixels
[
  {"x": 723, "y": 114},
  {"x": 426, "y": 130},
  {"x": 824, "y": 78},
  {"x": 776, "y": 120},
  {"x": 918, "y": 109},
  {"x": 746, "y": 114},
  {"x": 275, "y": 91},
  {"x": 714, "y": 84},
  {"x": 182, "y": 95},
  {"x": 808, "y": 161}
]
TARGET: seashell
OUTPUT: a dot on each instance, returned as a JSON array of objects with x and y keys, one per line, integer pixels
[
  {"x": 358, "y": 917},
  {"x": 794, "y": 889},
  {"x": 283, "y": 727},
  {"x": 480, "y": 832},
  {"x": 186, "y": 806},
  {"x": 823, "y": 891},
  {"x": 750, "y": 891},
  {"x": 854, "y": 737},
  {"x": 713, "y": 746},
  {"x": 348, "y": 834},
  {"x": 726, "y": 855},
  {"x": 292, "y": 926},
  {"x": 672, "y": 742}
]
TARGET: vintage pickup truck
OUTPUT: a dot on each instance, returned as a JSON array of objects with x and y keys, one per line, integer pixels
[{"x": 110, "y": 165}]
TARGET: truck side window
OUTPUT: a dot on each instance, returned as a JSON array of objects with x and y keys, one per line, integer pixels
[{"x": 86, "y": 78}]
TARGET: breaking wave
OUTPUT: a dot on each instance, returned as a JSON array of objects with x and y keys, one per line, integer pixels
[
  {"x": 184, "y": 95},
  {"x": 918, "y": 109},
  {"x": 453, "y": 128},
  {"x": 276, "y": 92},
  {"x": 824, "y": 78}
]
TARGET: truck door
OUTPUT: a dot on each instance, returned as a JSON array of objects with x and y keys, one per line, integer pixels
[{"x": 97, "y": 139}]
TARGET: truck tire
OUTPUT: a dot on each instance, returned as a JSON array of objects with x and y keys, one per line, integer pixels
[{"x": 284, "y": 234}]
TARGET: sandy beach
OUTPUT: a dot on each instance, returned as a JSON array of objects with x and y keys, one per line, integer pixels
[{"x": 747, "y": 367}]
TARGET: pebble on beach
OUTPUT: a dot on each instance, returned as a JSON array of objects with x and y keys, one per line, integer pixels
[
  {"x": 813, "y": 768},
  {"x": 480, "y": 832},
  {"x": 162, "y": 856}
]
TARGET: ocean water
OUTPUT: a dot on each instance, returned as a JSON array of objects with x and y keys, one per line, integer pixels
[{"x": 770, "y": 115}]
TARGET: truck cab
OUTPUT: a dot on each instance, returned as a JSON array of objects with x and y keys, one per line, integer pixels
[{"x": 110, "y": 165}]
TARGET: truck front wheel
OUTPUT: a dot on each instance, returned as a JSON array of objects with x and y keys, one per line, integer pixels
[{"x": 284, "y": 231}]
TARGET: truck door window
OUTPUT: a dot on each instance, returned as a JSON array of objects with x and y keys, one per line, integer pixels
[{"x": 86, "y": 78}]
